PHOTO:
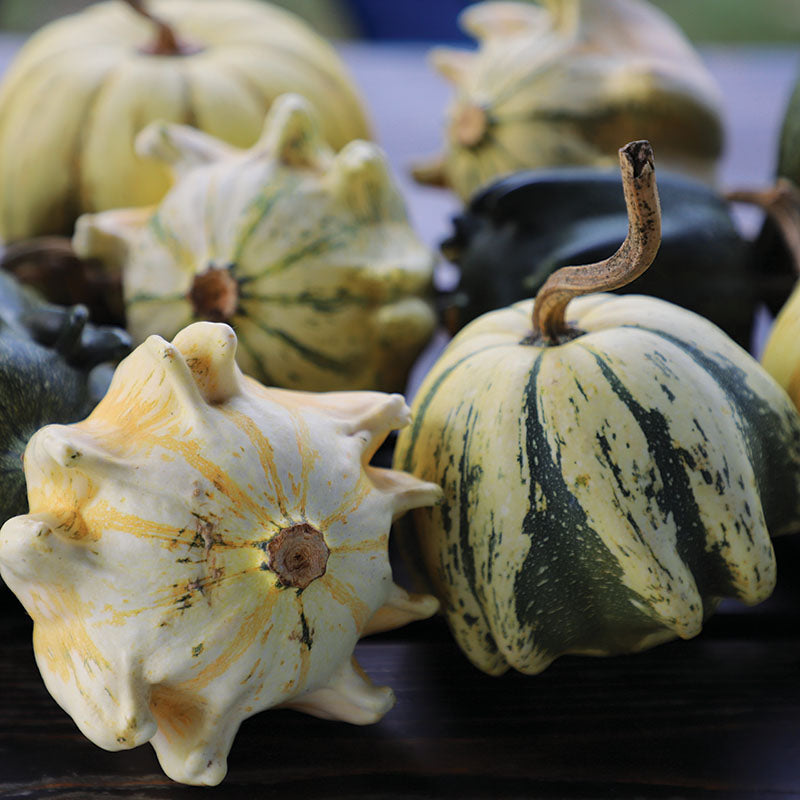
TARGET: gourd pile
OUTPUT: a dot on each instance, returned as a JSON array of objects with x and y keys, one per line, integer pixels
[{"x": 204, "y": 535}]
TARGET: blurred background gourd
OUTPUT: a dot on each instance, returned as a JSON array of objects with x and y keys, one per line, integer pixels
[
  {"x": 83, "y": 86},
  {"x": 308, "y": 254},
  {"x": 567, "y": 83}
]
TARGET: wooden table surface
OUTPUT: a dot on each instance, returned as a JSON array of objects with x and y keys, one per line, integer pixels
[{"x": 718, "y": 716}]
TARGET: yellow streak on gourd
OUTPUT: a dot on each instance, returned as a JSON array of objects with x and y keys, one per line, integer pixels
[
  {"x": 65, "y": 502},
  {"x": 178, "y": 712},
  {"x": 128, "y": 417},
  {"x": 365, "y": 545},
  {"x": 190, "y": 450},
  {"x": 351, "y": 500},
  {"x": 308, "y": 456},
  {"x": 104, "y": 516},
  {"x": 255, "y": 623},
  {"x": 59, "y": 634},
  {"x": 344, "y": 594},
  {"x": 266, "y": 454}
]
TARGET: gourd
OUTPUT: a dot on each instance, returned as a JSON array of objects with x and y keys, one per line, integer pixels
[
  {"x": 201, "y": 548},
  {"x": 307, "y": 254},
  {"x": 564, "y": 84},
  {"x": 81, "y": 88},
  {"x": 608, "y": 476},
  {"x": 519, "y": 229},
  {"x": 54, "y": 367},
  {"x": 781, "y": 355}
]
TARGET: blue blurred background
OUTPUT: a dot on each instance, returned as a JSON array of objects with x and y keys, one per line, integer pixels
[{"x": 754, "y": 21}]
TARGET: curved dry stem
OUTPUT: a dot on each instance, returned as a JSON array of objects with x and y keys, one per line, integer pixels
[
  {"x": 781, "y": 203},
  {"x": 38, "y": 247},
  {"x": 166, "y": 42},
  {"x": 633, "y": 257}
]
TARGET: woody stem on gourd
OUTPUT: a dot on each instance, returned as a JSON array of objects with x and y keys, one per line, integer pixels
[
  {"x": 631, "y": 260},
  {"x": 781, "y": 203},
  {"x": 166, "y": 42}
]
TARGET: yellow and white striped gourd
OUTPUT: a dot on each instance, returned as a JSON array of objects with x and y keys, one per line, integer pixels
[
  {"x": 606, "y": 482},
  {"x": 201, "y": 548},
  {"x": 565, "y": 83},
  {"x": 307, "y": 254},
  {"x": 80, "y": 90}
]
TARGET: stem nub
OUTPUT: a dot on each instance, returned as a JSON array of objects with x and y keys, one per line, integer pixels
[
  {"x": 214, "y": 295},
  {"x": 632, "y": 259},
  {"x": 470, "y": 126},
  {"x": 166, "y": 42},
  {"x": 298, "y": 555}
]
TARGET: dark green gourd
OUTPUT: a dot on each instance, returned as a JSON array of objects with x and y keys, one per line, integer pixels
[
  {"x": 517, "y": 231},
  {"x": 54, "y": 367}
]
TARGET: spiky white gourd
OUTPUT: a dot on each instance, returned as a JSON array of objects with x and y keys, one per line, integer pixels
[
  {"x": 307, "y": 254},
  {"x": 201, "y": 548}
]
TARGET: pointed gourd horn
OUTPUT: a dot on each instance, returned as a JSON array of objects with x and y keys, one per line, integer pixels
[
  {"x": 360, "y": 177},
  {"x": 291, "y": 133},
  {"x": 406, "y": 491},
  {"x": 170, "y": 362},
  {"x": 58, "y": 443},
  {"x": 375, "y": 415},
  {"x": 109, "y": 235},
  {"x": 24, "y": 546},
  {"x": 399, "y": 609},
  {"x": 452, "y": 64},
  {"x": 209, "y": 350},
  {"x": 180, "y": 146},
  {"x": 500, "y": 19}
]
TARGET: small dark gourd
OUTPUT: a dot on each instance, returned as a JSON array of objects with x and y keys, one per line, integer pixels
[
  {"x": 610, "y": 472},
  {"x": 51, "y": 370},
  {"x": 516, "y": 232}
]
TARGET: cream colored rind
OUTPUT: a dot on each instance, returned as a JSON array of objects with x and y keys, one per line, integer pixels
[{"x": 146, "y": 563}]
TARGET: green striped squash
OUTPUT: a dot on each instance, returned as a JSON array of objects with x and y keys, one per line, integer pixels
[
  {"x": 307, "y": 254},
  {"x": 603, "y": 494}
]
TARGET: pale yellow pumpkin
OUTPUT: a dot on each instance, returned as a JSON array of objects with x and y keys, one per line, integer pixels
[
  {"x": 82, "y": 87},
  {"x": 565, "y": 83},
  {"x": 307, "y": 254},
  {"x": 201, "y": 548}
]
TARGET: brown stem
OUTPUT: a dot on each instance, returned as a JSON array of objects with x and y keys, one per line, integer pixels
[
  {"x": 38, "y": 247},
  {"x": 214, "y": 295},
  {"x": 781, "y": 203},
  {"x": 298, "y": 555},
  {"x": 633, "y": 257},
  {"x": 166, "y": 42}
]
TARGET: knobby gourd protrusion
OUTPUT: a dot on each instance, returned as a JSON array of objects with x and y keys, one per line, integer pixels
[
  {"x": 167, "y": 42},
  {"x": 631, "y": 260}
]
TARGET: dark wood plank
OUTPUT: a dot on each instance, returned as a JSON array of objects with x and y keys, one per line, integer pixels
[{"x": 715, "y": 717}]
